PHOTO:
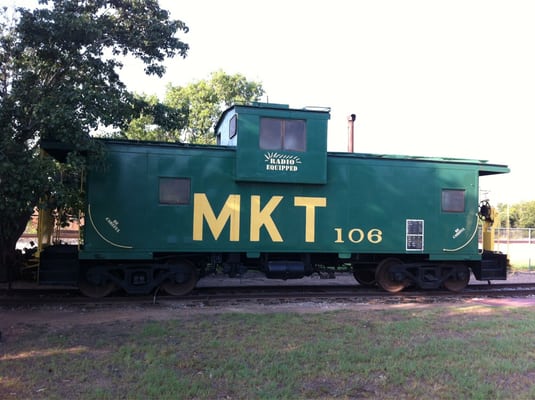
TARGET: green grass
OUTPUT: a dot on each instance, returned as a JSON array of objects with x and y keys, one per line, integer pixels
[{"x": 431, "y": 353}]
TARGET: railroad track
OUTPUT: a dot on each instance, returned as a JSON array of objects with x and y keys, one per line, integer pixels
[{"x": 261, "y": 295}]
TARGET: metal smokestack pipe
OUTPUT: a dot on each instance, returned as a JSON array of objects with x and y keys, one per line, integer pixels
[{"x": 351, "y": 125}]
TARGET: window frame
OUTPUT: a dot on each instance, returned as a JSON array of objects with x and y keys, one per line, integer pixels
[
  {"x": 450, "y": 203},
  {"x": 179, "y": 198},
  {"x": 233, "y": 126},
  {"x": 301, "y": 134},
  {"x": 414, "y": 234}
]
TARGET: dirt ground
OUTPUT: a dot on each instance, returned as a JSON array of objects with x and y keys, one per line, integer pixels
[{"x": 15, "y": 319}]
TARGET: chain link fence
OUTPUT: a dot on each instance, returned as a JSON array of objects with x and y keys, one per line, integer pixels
[{"x": 518, "y": 244}]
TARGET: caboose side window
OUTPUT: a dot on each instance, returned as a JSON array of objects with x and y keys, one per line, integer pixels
[
  {"x": 414, "y": 234},
  {"x": 174, "y": 190},
  {"x": 282, "y": 134},
  {"x": 453, "y": 200},
  {"x": 233, "y": 126}
]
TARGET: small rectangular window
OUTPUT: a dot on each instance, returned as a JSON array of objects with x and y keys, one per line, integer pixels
[
  {"x": 453, "y": 200},
  {"x": 174, "y": 190},
  {"x": 294, "y": 135},
  {"x": 233, "y": 126},
  {"x": 282, "y": 134},
  {"x": 270, "y": 134},
  {"x": 414, "y": 234}
]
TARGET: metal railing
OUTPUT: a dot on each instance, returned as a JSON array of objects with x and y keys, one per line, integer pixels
[
  {"x": 522, "y": 235},
  {"x": 518, "y": 244}
]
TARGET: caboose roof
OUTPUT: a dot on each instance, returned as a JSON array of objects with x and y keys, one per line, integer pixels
[{"x": 485, "y": 168}]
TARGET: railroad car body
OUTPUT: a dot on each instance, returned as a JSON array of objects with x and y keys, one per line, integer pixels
[{"x": 271, "y": 197}]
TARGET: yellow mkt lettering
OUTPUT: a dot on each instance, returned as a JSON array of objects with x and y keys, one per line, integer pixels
[
  {"x": 230, "y": 211},
  {"x": 310, "y": 204},
  {"x": 262, "y": 217}
]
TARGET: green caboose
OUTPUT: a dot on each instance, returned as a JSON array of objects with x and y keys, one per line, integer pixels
[{"x": 270, "y": 197}]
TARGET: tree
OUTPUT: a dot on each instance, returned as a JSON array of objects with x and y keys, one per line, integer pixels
[
  {"x": 59, "y": 81},
  {"x": 195, "y": 107},
  {"x": 157, "y": 121},
  {"x": 205, "y": 100},
  {"x": 506, "y": 212},
  {"x": 521, "y": 215}
]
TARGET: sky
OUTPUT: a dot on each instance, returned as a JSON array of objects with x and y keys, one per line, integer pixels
[{"x": 451, "y": 78}]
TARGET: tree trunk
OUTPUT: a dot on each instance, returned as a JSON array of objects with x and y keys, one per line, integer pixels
[{"x": 10, "y": 232}]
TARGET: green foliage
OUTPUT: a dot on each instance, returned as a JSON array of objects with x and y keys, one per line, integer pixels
[
  {"x": 157, "y": 121},
  {"x": 59, "y": 81},
  {"x": 521, "y": 215},
  {"x": 190, "y": 112},
  {"x": 206, "y": 99}
]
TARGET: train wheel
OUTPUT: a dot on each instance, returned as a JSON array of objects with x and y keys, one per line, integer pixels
[
  {"x": 384, "y": 278},
  {"x": 183, "y": 281},
  {"x": 461, "y": 279},
  {"x": 95, "y": 290},
  {"x": 365, "y": 276}
]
